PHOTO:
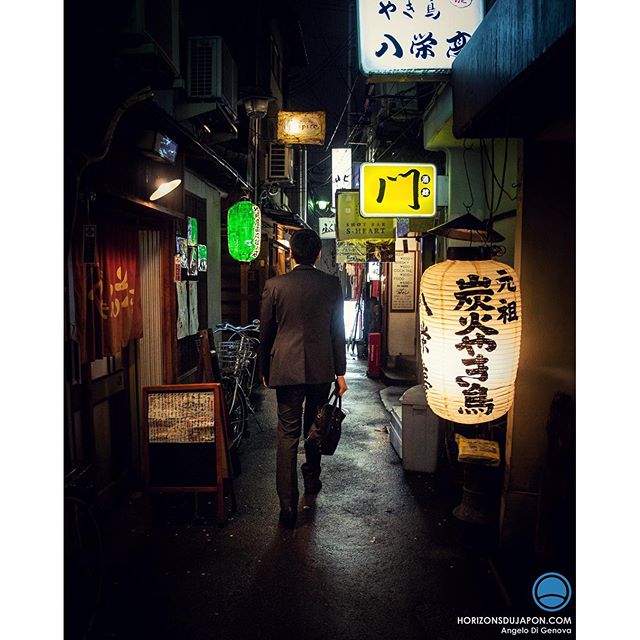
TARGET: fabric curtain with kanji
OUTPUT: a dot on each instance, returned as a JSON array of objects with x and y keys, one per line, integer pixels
[{"x": 107, "y": 293}]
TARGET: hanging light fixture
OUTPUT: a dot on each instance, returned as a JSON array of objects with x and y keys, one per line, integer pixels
[
  {"x": 164, "y": 189},
  {"x": 244, "y": 228},
  {"x": 470, "y": 326}
]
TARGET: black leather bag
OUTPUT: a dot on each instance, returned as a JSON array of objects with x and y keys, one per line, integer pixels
[{"x": 326, "y": 429}]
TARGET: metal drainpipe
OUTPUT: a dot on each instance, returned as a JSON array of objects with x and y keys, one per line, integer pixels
[
  {"x": 305, "y": 202},
  {"x": 256, "y": 148}
]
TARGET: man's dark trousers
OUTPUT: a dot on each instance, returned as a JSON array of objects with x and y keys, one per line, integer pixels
[{"x": 290, "y": 426}]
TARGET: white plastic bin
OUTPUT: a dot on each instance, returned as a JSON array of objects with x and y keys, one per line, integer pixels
[{"x": 420, "y": 432}]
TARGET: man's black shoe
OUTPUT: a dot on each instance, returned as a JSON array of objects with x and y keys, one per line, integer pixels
[
  {"x": 312, "y": 486},
  {"x": 288, "y": 517}
]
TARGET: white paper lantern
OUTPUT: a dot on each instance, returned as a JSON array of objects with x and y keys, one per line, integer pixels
[{"x": 470, "y": 326}]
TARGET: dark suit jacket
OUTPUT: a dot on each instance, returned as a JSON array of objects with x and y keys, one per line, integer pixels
[{"x": 302, "y": 337}]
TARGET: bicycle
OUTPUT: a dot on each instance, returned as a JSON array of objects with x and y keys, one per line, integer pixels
[
  {"x": 83, "y": 555},
  {"x": 236, "y": 354}
]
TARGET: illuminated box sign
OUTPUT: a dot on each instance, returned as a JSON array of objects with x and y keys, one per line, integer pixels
[
  {"x": 352, "y": 226},
  {"x": 327, "y": 228},
  {"x": 399, "y": 38},
  {"x": 400, "y": 189},
  {"x": 301, "y": 127},
  {"x": 340, "y": 171}
]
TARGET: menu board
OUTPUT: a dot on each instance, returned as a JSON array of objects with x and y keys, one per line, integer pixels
[
  {"x": 403, "y": 277},
  {"x": 181, "y": 417}
]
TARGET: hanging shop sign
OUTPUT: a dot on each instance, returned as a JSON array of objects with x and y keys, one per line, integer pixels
[
  {"x": 301, "y": 127},
  {"x": 353, "y": 226},
  {"x": 400, "y": 189},
  {"x": 470, "y": 326},
  {"x": 327, "y": 228},
  {"x": 340, "y": 171},
  {"x": 244, "y": 228},
  {"x": 400, "y": 39},
  {"x": 107, "y": 293}
]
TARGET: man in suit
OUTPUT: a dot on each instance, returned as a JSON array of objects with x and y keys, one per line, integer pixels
[{"x": 302, "y": 342}]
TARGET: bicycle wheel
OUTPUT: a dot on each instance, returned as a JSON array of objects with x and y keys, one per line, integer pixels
[
  {"x": 83, "y": 567},
  {"x": 237, "y": 410}
]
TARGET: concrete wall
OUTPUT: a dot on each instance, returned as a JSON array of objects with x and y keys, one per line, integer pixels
[{"x": 214, "y": 243}]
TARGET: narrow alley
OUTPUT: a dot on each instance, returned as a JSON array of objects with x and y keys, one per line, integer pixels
[
  {"x": 244, "y": 185},
  {"x": 378, "y": 555}
]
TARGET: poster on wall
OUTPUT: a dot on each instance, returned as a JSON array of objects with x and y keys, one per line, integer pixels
[
  {"x": 192, "y": 231},
  {"x": 349, "y": 251},
  {"x": 181, "y": 250},
  {"x": 193, "y": 308},
  {"x": 183, "y": 310},
  {"x": 202, "y": 257},
  {"x": 381, "y": 251},
  {"x": 192, "y": 261},
  {"x": 403, "y": 282},
  {"x": 177, "y": 268}
]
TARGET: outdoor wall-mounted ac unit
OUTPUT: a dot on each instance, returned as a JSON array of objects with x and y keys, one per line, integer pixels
[
  {"x": 212, "y": 74},
  {"x": 279, "y": 163}
]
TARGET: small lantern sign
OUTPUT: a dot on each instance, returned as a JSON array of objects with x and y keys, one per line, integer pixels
[
  {"x": 470, "y": 326},
  {"x": 301, "y": 127},
  {"x": 243, "y": 231}
]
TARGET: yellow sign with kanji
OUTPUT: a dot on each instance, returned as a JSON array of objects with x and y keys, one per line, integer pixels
[{"x": 397, "y": 189}]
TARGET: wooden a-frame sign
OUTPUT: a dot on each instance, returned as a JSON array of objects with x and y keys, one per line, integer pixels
[{"x": 193, "y": 414}]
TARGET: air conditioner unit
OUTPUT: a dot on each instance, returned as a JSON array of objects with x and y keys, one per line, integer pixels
[
  {"x": 279, "y": 163},
  {"x": 212, "y": 74}
]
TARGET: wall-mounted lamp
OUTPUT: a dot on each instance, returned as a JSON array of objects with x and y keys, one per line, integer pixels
[
  {"x": 164, "y": 189},
  {"x": 322, "y": 204}
]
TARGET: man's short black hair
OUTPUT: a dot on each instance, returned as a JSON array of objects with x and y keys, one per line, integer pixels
[{"x": 305, "y": 246}]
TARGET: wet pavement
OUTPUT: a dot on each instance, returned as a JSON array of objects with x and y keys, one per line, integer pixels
[{"x": 377, "y": 555}]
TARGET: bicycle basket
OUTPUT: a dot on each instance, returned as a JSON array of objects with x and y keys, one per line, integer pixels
[{"x": 233, "y": 355}]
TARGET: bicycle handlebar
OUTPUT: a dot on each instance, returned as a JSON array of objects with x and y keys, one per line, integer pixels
[{"x": 225, "y": 326}]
